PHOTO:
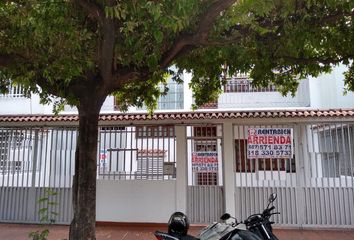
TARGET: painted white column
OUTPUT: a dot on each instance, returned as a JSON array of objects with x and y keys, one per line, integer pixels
[
  {"x": 182, "y": 176},
  {"x": 229, "y": 166},
  {"x": 300, "y": 158}
]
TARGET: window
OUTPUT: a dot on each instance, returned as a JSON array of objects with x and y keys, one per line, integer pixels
[
  {"x": 150, "y": 164},
  {"x": 207, "y": 178},
  {"x": 15, "y": 145},
  {"x": 111, "y": 129},
  {"x": 174, "y": 99},
  {"x": 205, "y": 131},
  {"x": 205, "y": 147},
  {"x": 10, "y": 166},
  {"x": 155, "y": 131},
  {"x": 243, "y": 164},
  {"x": 4, "y": 148},
  {"x": 18, "y": 140},
  {"x": 335, "y": 143}
]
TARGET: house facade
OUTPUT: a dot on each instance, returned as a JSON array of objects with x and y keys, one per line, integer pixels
[{"x": 203, "y": 163}]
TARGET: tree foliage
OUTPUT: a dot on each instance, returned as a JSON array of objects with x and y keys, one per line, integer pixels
[
  {"x": 58, "y": 44},
  {"x": 81, "y": 51}
]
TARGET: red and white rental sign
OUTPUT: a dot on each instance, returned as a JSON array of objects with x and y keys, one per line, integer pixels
[
  {"x": 269, "y": 143},
  {"x": 205, "y": 162}
]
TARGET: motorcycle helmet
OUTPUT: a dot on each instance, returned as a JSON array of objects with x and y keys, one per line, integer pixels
[{"x": 178, "y": 224}]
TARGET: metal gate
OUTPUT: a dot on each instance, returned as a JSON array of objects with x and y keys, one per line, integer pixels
[
  {"x": 33, "y": 160},
  {"x": 205, "y": 198},
  {"x": 313, "y": 176}
]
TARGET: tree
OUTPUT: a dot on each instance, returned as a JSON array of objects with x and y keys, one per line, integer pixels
[{"x": 81, "y": 51}]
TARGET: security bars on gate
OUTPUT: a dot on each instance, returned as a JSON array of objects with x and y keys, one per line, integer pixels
[
  {"x": 329, "y": 174},
  {"x": 34, "y": 159},
  {"x": 31, "y": 161},
  {"x": 205, "y": 198},
  {"x": 137, "y": 153},
  {"x": 265, "y": 163},
  {"x": 315, "y": 185},
  {"x": 205, "y": 156}
]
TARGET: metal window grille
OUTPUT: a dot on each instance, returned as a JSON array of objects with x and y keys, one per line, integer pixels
[
  {"x": 205, "y": 159},
  {"x": 174, "y": 98},
  {"x": 36, "y": 159},
  {"x": 253, "y": 165},
  {"x": 141, "y": 152},
  {"x": 205, "y": 180},
  {"x": 316, "y": 188}
]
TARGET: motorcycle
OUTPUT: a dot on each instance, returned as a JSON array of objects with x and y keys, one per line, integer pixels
[
  {"x": 255, "y": 227},
  {"x": 260, "y": 223}
]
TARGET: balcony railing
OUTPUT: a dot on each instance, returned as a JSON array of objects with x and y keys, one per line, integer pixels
[
  {"x": 14, "y": 92},
  {"x": 209, "y": 105},
  {"x": 244, "y": 84}
]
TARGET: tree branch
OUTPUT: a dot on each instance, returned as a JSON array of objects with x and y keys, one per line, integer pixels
[
  {"x": 200, "y": 37},
  {"x": 106, "y": 51},
  {"x": 126, "y": 75},
  {"x": 92, "y": 9},
  {"x": 7, "y": 59},
  {"x": 184, "y": 43}
]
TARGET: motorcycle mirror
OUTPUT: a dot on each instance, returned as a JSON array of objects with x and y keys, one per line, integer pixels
[
  {"x": 272, "y": 197},
  {"x": 225, "y": 216}
]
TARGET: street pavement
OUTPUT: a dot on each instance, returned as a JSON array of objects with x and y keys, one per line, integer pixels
[{"x": 129, "y": 232}]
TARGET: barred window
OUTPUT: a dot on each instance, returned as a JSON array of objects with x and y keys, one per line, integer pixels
[
  {"x": 155, "y": 131},
  {"x": 243, "y": 164}
]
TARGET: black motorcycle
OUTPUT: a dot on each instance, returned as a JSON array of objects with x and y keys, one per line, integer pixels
[
  {"x": 260, "y": 223},
  {"x": 255, "y": 227}
]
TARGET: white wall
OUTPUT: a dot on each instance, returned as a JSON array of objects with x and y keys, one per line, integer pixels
[
  {"x": 135, "y": 201},
  {"x": 22, "y": 105},
  {"x": 326, "y": 91},
  {"x": 188, "y": 99}
]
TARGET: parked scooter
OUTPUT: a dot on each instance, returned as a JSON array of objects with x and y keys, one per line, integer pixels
[{"x": 255, "y": 227}]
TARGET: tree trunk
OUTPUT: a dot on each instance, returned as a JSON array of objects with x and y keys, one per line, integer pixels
[{"x": 83, "y": 224}]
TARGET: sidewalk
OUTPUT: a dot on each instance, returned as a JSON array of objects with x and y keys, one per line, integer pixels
[{"x": 20, "y": 232}]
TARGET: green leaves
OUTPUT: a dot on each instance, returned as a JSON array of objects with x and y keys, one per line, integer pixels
[
  {"x": 46, "y": 213},
  {"x": 278, "y": 42},
  {"x": 48, "y": 42},
  {"x": 275, "y": 41},
  {"x": 349, "y": 78}
]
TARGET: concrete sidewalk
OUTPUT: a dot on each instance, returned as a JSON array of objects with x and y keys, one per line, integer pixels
[{"x": 21, "y": 231}]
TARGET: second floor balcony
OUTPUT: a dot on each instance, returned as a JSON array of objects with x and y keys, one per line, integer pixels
[
  {"x": 244, "y": 84},
  {"x": 14, "y": 92},
  {"x": 240, "y": 93}
]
